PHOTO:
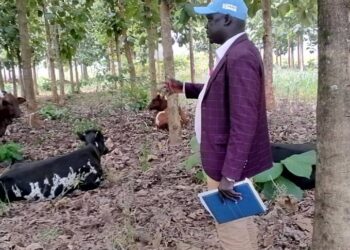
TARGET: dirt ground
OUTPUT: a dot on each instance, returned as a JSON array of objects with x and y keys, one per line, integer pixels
[{"x": 148, "y": 200}]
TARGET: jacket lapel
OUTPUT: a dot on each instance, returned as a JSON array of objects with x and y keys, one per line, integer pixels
[{"x": 222, "y": 61}]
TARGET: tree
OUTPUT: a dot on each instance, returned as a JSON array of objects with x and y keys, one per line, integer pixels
[
  {"x": 152, "y": 40},
  {"x": 332, "y": 213},
  {"x": 268, "y": 60},
  {"x": 174, "y": 118},
  {"x": 50, "y": 51},
  {"x": 2, "y": 86},
  {"x": 26, "y": 55},
  {"x": 9, "y": 37}
]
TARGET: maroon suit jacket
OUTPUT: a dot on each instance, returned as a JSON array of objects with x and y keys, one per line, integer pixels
[{"x": 234, "y": 141}]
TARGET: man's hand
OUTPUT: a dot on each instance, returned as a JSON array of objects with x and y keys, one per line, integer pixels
[
  {"x": 173, "y": 86},
  {"x": 226, "y": 190}
]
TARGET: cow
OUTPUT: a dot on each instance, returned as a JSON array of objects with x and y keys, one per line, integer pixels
[
  {"x": 160, "y": 104},
  {"x": 55, "y": 177},
  {"x": 9, "y": 109},
  {"x": 283, "y": 151}
]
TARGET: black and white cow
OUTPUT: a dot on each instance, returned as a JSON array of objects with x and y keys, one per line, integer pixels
[
  {"x": 55, "y": 177},
  {"x": 283, "y": 151}
]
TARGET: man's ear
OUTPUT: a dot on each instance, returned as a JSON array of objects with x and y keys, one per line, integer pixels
[{"x": 228, "y": 19}]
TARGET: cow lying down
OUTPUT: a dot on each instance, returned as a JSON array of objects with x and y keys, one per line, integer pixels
[
  {"x": 55, "y": 177},
  {"x": 9, "y": 109},
  {"x": 160, "y": 103}
]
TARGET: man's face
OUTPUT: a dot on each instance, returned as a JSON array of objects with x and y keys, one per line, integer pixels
[{"x": 215, "y": 28}]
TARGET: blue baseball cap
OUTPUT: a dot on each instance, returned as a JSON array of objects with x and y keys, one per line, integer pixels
[{"x": 235, "y": 8}]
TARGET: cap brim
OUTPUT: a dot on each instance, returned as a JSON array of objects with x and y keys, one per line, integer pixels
[{"x": 203, "y": 10}]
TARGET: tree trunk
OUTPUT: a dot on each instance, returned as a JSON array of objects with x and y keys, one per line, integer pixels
[
  {"x": 292, "y": 52},
  {"x": 210, "y": 51},
  {"x": 151, "y": 39},
  {"x": 332, "y": 213},
  {"x": 276, "y": 58},
  {"x": 192, "y": 67},
  {"x": 159, "y": 69},
  {"x": 35, "y": 80},
  {"x": 174, "y": 119},
  {"x": 84, "y": 72},
  {"x": 62, "y": 80},
  {"x": 289, "y": 49},
  {"x": 8, "y": 77},
  {"x": 72, "y": 85},
  {"x": 119, "y": 57},
  {"x": 268, "y": 61},
  {"x": 129, "y": 57},
  {"x": 56, "y": 44},
  {"x": 14, "y": 84},
  {"x": 112, "y": 59},
  {"x": 77, "y": 83},
  {"x": 26, "y": 53},
  {"x": 300, "y": 51},
  {"x": 5, "y": 76},
  {"x": 280, "y": 60},
  {"x": 50, "y": 55},
  {"x": 2, "y": 85},
  {"x": 20, "y": 74}
]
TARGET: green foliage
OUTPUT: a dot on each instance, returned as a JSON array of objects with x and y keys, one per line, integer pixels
[
  {"x": 193, "y": 162},
  {"x": 53, "y": 112},
  {"x": 272, "y": 184},
  {"x": 144, "y": 157},
  {"x": 295, "y": 85},
  {"x": 81, "y": 125},
  {"x": 86, "y": 82},
  {"x": 4, "y": 208},
  {"x": 44, "y": 84},
  {"x": 299, "y": 165},
  {"x": 9, "y": 32},
  {"x": 281, "y": 187},
  {"x": 135, "y": 96},
  {"x": 49, "y": 234},
  {"x": 270, "y": 174},
  {"x": 10, "y": 151}
]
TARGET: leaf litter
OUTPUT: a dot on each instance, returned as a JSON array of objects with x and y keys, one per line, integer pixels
[{"x": 148, "y": 199}]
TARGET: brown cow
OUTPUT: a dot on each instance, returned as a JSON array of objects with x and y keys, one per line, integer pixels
[
  {"x": 160, "y": 104},
  {"x": 9, "y": 109}
]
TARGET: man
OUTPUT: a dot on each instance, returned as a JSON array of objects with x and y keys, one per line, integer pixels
[{"x": 230, "y": 119}]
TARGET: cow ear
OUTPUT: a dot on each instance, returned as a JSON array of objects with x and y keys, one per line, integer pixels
[
  {"x": 21, "y": 100},
  {"x": 81, "y": 136}
]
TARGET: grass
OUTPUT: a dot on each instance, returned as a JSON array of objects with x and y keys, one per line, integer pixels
[
  {"x": 4, "y": 208},
  {"x": 125, "y": 237},
  {"x": 48, "y": 234},
  {"x": 144, "y": 157},
  {"x": 295, "y": 85}
]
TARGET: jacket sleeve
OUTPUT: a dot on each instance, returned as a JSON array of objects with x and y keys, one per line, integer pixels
[
  {"x": 192, "y": 90},
  {"x": 244, "y": 87}
]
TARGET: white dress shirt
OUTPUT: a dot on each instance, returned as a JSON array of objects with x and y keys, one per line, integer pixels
[{"x": 219, "y": 54}]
